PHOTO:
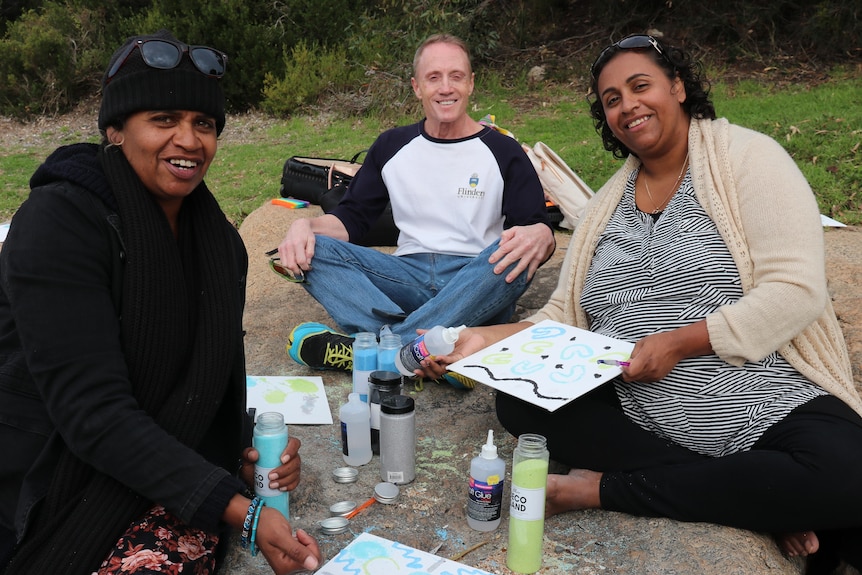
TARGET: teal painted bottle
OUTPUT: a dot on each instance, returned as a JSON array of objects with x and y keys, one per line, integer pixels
[{"x": 270, "y": 440}]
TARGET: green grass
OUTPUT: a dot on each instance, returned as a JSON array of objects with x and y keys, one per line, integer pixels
[
  {"x": 820, "y": 126},
  {"x": 244, "y": 176},
  {"x": 15, "y": 172}
]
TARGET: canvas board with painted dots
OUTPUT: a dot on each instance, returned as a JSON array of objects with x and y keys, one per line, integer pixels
[
  {"x": 301, "y": 400},
  {"x": 548, "y": 364}
]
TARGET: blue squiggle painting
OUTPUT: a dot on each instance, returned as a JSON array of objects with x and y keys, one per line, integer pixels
[
  {"x": 548, "y": 364},
  {"x": 372, "y": 555}
]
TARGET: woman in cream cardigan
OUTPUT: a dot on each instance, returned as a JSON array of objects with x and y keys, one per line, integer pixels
[{"x": 706, "y": 249}]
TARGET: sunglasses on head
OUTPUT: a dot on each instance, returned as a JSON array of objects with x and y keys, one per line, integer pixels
[
  {"x": 634, "y": 42},
  {"x": 167, "y": 55}
]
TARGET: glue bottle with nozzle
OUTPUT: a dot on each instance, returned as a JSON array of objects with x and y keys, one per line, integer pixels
[
  {"x": 486, "y": 488},
  {"x": 438, "y": 340}
]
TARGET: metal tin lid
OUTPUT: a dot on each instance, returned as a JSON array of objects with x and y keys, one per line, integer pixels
[
  {"x": 386, "y": 492},
  {"x": 342, "y": 508},
  {"x": 334, "y": 525},
  {"x": 345, "y": 474}
]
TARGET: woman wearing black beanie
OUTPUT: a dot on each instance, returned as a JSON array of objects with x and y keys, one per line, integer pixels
[{"x": 122, "y": 374}]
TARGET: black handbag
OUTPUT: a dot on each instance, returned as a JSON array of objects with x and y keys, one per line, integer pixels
[
  {"x": 324, "y": 181},
  {"x": 308, "y": 178}
]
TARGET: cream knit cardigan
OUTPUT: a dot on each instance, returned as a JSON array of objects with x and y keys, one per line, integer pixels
[{"x": 766, "y": 213}]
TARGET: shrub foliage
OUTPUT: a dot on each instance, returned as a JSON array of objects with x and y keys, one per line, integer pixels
[{"x": 286, "y": 55}]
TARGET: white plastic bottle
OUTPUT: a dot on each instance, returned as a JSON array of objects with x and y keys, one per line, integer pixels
[
  {"x": 355, "y": 431},
  {"x": 487, "y": 472},
  {"x": 438, "y": 340}
]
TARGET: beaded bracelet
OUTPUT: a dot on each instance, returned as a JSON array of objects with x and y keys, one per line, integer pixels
[
  {"x": 249, "y": 518},
  {"x": 254, "y": 529}
]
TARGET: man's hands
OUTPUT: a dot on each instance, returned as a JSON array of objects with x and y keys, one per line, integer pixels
[
  {"x": 297, "y": 248},
  {"x": 529, "y": 246}
]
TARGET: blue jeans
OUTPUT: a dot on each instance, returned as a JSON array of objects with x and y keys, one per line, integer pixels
[{"x": 355, "y": 284}]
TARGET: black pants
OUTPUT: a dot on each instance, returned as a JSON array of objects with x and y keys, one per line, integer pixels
[{"x": 804, "y": 473}]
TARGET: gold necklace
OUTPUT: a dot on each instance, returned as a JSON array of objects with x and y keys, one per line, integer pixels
[{"x": 658, "y": 207}]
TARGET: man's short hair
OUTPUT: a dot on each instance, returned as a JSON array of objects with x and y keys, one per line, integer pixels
[{"x": 442, "y": 39}]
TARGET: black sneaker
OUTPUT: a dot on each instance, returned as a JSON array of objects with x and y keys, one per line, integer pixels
[{"x": 315, "y": 345}]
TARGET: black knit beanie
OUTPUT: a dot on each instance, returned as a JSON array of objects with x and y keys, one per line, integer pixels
[{"x": 136, "y": 87}]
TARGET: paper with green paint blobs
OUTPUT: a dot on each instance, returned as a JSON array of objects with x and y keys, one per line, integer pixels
[{"x": 302, "y": 400}]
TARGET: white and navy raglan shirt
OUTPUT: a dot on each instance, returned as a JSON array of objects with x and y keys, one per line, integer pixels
[{"x": 448, "y": 196}]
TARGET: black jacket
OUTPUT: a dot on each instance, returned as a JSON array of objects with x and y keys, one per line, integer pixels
[{"x": 63, "y": 375}]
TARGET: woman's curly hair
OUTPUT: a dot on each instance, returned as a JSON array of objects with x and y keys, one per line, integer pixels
[{"x": 675, "y": 62}]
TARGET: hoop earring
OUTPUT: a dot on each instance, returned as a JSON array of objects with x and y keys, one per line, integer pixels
[{"x": 112, "y": 134}]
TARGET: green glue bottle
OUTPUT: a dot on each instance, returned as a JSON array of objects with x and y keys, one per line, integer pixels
[{"x": 527, "y": 507}]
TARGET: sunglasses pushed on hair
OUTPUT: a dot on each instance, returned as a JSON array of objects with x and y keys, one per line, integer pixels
[
  {"x": 164, "y": 54},
  {"x": 633, "y": 42}
]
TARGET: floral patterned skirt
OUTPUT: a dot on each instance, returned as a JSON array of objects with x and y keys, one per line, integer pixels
[{"x": 159, "y": 542}]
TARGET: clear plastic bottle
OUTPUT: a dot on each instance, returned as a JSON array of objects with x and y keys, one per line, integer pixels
[
  {"x": 355, "y": 431},
  {"x": 527, "y": 508},
  {"x": 387, "y": 350},
  {"x": 364, "y": 362},
  {"x": 438, "y": 340},
  {"x": 270, "y": 439},
  {"x": 487, "y": 473}
]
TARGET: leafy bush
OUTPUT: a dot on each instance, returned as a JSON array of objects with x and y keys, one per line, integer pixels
[
  {"x": 309, "y": 72},
  {"x": 53, "y": 52},
  {"x": 381, "y": 44},
  {"x": 323, "y": 23},
  {"x": 44, "y": 62},
  {"x": 241, "y": 28},
  {"x": 835, "y": 28}
]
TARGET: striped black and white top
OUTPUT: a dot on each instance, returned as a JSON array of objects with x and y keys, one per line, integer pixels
[{"x": 657, "y": 274}]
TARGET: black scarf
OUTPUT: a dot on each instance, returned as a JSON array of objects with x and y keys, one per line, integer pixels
[{"x": 181, "y": 326}]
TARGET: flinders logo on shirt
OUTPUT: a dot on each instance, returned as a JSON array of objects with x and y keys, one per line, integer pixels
[{"x": 472, "y": 191}]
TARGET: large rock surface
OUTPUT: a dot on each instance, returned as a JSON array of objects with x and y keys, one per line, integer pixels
[{"x": 451, "y": 426}]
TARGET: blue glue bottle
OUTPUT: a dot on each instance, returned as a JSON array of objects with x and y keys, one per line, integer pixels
[{"x": 270, "y": 440}]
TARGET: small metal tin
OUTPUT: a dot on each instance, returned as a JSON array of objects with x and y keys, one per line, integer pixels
[
  {"x": 342, "y": 508},
  {"x": 345, "y": 474},
  {"x": 386, "y": 492},
  {"x": 334, "y": 525}
]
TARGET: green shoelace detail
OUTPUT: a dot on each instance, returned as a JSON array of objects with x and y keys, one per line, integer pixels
[{"x": 339, "y": 356}]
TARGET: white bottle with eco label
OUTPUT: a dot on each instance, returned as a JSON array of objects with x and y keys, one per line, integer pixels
[
  {"x": 438, "y": 340},
  {"x": 487, "y": 471}
]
